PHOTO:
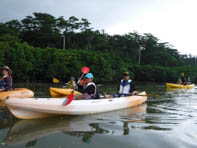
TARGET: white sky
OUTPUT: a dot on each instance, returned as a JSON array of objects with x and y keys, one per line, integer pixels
[{"x": 172, "y": 21}]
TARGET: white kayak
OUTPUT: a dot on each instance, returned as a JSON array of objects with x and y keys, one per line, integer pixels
[{"x": 31, "y": 108}]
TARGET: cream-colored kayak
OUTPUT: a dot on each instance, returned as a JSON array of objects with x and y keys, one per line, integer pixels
[
  {"x": 42, "y": 107},
  {"x": 61, "y": 92},
  {"x": 17, "y": 92},
  {"x": 172, "y": 85}
]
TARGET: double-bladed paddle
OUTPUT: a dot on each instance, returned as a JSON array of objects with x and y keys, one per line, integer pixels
[
  {"x": 70, "y": 97},
  {"x": 55, "y": 80}
]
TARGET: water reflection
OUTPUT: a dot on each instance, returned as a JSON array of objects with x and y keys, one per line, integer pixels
[
  {"x": 85, "y": 127},
  {"x": 166, "y": 121},
  {"x": 5, "y": 117},
  {"x": 2, "y": 104},
  {"x": 173, "y": 109}
]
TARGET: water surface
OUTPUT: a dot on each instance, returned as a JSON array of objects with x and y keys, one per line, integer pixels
[{"x": 167, "y": 120}]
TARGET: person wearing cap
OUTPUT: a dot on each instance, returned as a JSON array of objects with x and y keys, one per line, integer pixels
[
  {"x": 71, "y": 84},
  {"x": 89, "y": 89},
  {"x": 126, "y": 87},
  {"x": 82, "y": 82},
  {"x": 183, "y": 79},
  {"x": 6, "y": 80}
]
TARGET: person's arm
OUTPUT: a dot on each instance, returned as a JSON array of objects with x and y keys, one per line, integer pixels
[
  {"x": 80, "y": 88},
  {"x": 8, "y": 81},
  {"x": 74, "y": 85},
  {"x": 132, "y": 87},
  {"x": 2, "y": 89},
  {"x": 119, "y": 87},
  {"x": 133, "y": 90}
]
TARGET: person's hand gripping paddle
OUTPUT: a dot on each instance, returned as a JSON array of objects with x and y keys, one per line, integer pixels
[{"x": 70, "y": 97}]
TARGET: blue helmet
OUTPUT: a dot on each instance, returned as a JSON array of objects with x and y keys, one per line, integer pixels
[{"x": 89, "y": 75}]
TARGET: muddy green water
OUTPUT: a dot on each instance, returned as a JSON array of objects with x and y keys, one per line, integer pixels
[{"x": 167, "y": 120}]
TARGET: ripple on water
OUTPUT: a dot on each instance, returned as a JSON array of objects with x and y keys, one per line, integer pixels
[{"x": 168, "y": 120}]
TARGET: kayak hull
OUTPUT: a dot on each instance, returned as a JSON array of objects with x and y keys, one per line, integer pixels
[
  {"x": 171, "y": 85},
  {"x": 61, "y": 92},
  {"x": 17, "y": 92},
  {"x": 37, "y": 108}
]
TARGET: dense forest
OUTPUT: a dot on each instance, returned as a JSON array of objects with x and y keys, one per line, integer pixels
[{"x": 40, "y": 47}]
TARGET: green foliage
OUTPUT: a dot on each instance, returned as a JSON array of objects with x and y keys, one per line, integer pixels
[
  {"x": 32, "y": 48},
  {"x": 30, "y": 63},
  {"x": 46, "y": 31},
  {"x": 42, "y": 64}
]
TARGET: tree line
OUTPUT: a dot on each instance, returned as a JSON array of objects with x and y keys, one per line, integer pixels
[{"x": 34, "y": 46}]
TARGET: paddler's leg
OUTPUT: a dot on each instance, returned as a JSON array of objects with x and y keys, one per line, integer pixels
[
  {"x": 83, "y": 97},
  {"x": 78, "y": 97}
]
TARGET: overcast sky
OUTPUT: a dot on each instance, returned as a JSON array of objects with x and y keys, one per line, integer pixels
[{"x": 172, "y": 21}]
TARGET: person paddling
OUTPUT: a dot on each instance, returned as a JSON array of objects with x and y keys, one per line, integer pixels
[
  {"x": 83, "y": 82},
  {"x": 183, "y": 79},
  {"x": 189, "y": 81},
  {"x": 126, "y": 87},
  {"x": 71, "y": 84},
  {"x": 89, "y": 89},
  {"x": 6, "y": 80},
  {"x": 179, "y": 81}
]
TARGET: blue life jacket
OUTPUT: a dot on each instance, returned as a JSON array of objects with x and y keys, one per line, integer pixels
[{"x": 125, "y": 87}]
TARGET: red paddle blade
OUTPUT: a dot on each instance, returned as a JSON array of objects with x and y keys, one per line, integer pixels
[
  {"x": 85, "y": 70},
  {"x": 69, "y": 99}
]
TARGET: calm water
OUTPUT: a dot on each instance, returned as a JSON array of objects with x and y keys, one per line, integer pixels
[{"x": 167, "y": 120}]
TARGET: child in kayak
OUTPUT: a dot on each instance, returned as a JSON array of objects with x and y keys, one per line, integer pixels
[
  {"x": 89, "y": 89},
  {"x": 179, "y": 81},
  {"x": 6, "y": 80},
  {"x": 71, "y": 84}
]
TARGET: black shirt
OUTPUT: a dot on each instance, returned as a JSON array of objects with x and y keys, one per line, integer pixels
[{"x": 89, "y": 90}]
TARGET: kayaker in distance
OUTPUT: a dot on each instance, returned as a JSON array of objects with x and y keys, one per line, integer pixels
[
  {"x": 71, "y": 84},
  {"x": 6, "y": 80},
  {"x": 89, "y": 89},
  {"x": 183, "y": 79},
  {"x": 126, "y": 87},
  {"x": 189, "y": 81},
  {"x": 179, "y": 81}
]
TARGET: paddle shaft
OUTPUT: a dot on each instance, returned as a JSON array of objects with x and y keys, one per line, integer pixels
[{"x": 80, "y": 78}]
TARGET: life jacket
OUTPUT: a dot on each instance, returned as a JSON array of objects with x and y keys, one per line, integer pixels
[
  {"x": 83, "y": 82},
  {"x": 125, "y": 87},
  {"x": 71, "y": 84},
  {"x": 95, "y": 94}
]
